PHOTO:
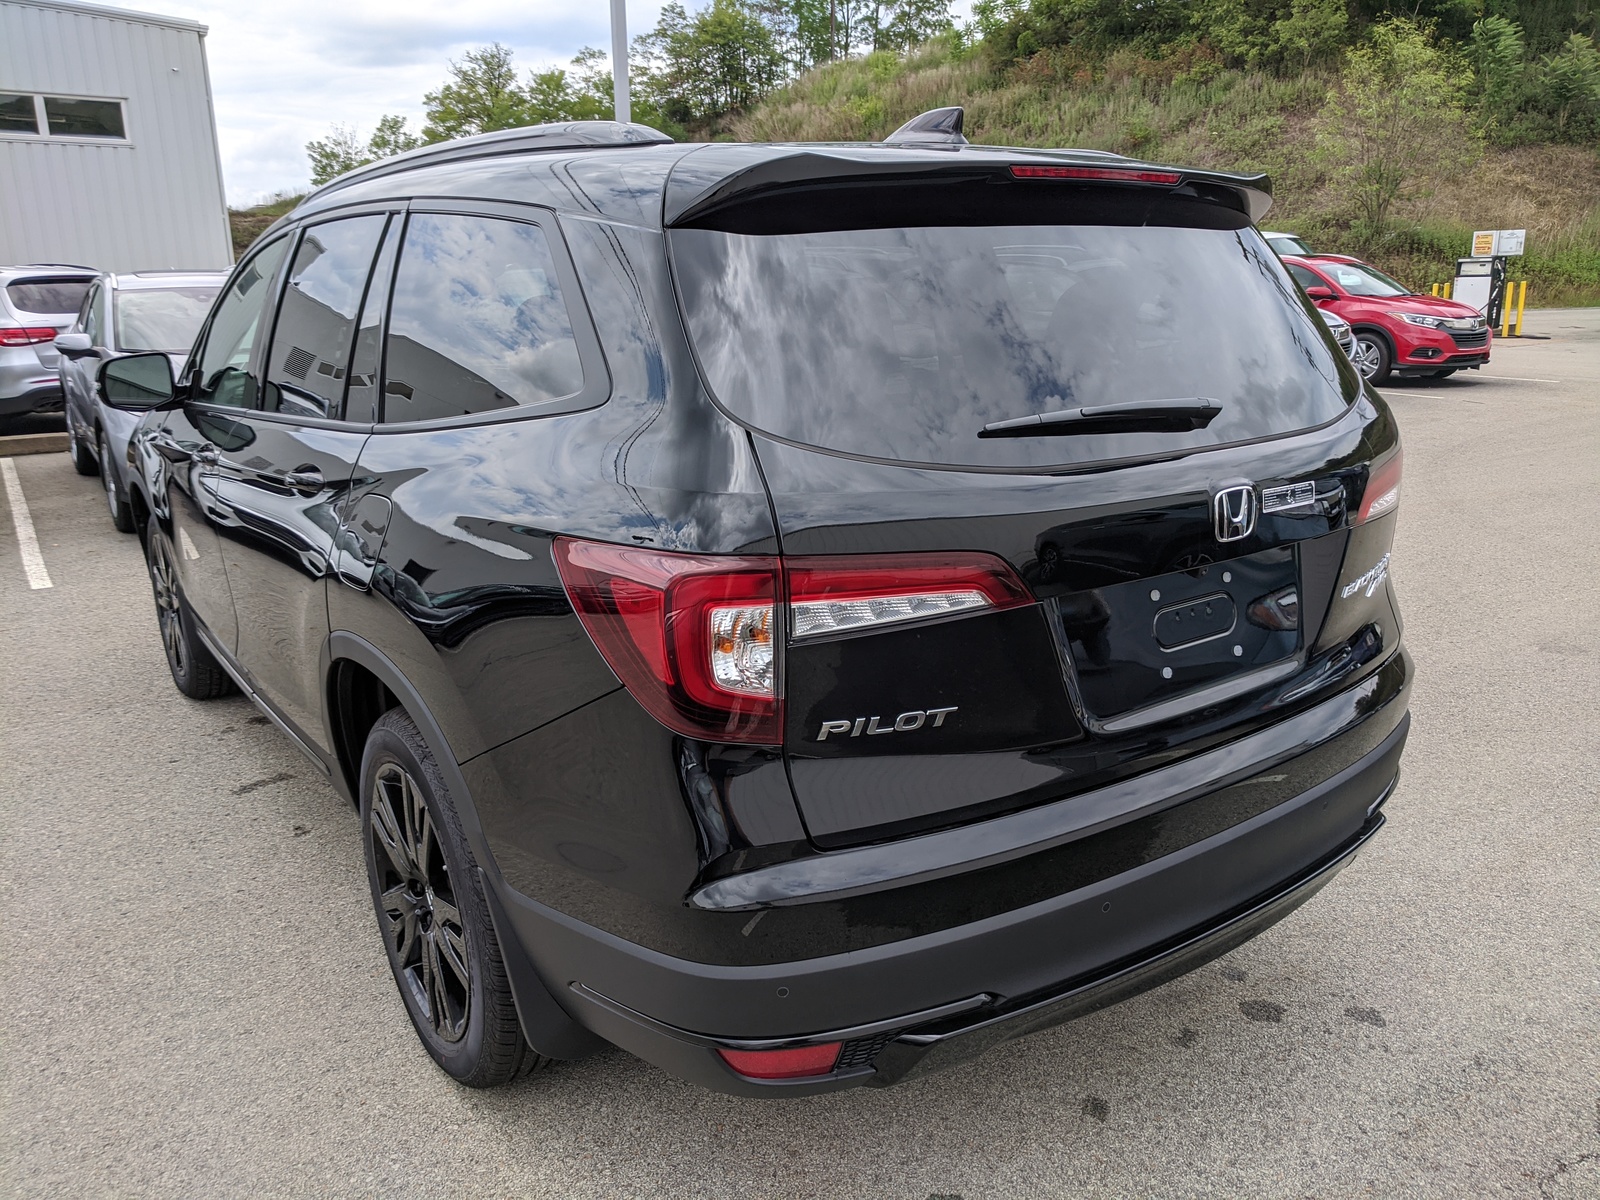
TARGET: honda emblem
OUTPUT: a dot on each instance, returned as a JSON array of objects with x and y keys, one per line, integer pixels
[{"x": 1235, "y": 510}]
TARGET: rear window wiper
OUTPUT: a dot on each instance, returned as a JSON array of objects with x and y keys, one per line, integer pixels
[{"x": 1132, "y": 416}]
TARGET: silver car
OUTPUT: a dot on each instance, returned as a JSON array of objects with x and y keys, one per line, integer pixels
[
  {"x": 124, "y": 314},
  {"x": 36, "y": 303},
  {"x": 1342, "y": 333}
]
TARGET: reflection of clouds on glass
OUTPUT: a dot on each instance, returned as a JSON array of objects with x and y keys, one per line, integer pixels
[
  {"x": 332, "y": 263},
  {"x": 903, "y": 343},
  {"x": 481, "y": 294}
]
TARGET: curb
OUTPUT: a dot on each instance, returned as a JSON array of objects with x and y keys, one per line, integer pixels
[{"x": 32, "y": 443}]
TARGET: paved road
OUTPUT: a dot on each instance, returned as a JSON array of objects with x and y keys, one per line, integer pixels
[{"x": 194, "y": 1002}]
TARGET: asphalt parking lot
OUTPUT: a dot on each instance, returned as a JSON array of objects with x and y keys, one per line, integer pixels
[{"x": 194, "y": 1000}]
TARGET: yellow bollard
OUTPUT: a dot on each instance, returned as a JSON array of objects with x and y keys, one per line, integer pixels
[
  {"x": 1505, "y": 310},
  {"x": 1435, "y": 291},
  {"x": 1522, "y": 300},
  {"x": 1448, "y": 288}
]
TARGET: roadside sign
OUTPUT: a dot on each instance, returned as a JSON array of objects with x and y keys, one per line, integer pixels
[{"x": 1498, "y": 243}]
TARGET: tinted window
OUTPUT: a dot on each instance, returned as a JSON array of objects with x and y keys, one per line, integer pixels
[
  {"x": 904, "y": 343},
  {"x": 17, "y": 114},
  {"x": 317, "y": 316},
  {"x": 83, "y": 118},
  {"x": 225, "y": 374},
  {"x": 162, "y": 320},
  {"x": 63, "y": 296},
  {"x": 1306, "y": 278},
  {"x": 478, "y": 321},
  {"x": 361, "y": 397}
]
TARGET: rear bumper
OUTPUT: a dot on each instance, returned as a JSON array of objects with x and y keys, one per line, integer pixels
[
  {"x": 909, "y": 1006},
  {"x": 48, "y": 398}
]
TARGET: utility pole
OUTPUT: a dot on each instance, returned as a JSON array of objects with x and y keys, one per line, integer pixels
[{"x": 619, "y": 59}]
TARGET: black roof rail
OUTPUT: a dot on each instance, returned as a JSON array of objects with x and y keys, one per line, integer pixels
[
  {"x": 936, "y": 127},
  {"x": 563, "y": 135}
]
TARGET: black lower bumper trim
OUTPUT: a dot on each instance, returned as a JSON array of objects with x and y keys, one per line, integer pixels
[{"x": 936, "y": 1047}]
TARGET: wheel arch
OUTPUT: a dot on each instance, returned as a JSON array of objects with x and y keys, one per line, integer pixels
[{"x": 359, "y": 677}]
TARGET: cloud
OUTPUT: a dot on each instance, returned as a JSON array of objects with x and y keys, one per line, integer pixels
[{"x": 284, "y": 73}]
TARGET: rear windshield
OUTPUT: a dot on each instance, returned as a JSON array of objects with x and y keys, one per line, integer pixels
[
  {"x": 903, "y": 343},
  {"x": 61, "y": 297},
  {"x": 162, "y": 320}
]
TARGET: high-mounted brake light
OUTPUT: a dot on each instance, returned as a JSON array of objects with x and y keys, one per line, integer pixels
[
  {"x": 1382, "y": 494},
  {"x": 797, "y": 1062},
  {"x": 1102, "y": 174},
  {"x": 26, "y": 335},
  {"x": 695, "y": 638}
]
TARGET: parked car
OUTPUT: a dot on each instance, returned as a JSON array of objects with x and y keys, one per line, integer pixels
[
  {"x": 124, "y": 314},
  {"x": 36, "y": 303},
  {"x": 1286, "y": 243},
  {"x": 802, "y": 614},
  {"x": 1397, "y": 331},
  {"x": 1342, "y": 333}
]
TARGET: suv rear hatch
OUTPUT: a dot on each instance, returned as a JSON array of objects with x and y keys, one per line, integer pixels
[{"x": 1066, "y": 471}]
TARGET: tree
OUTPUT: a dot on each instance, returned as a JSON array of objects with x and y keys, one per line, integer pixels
[
  {"x": 342, "y": 150},
  {"x": 1396, "y": 121},
  {"x": 482, "y": 96},
  {"x": 1312, "y": 29},
  {"x": 1570, "y": 81},
  {"x": 699, "y": 67}
]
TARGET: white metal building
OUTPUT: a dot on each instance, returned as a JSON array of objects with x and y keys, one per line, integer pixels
[{"x": 108, "y": 144}]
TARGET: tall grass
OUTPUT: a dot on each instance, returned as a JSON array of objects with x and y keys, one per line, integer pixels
[{"x": 1189, "y": 109}]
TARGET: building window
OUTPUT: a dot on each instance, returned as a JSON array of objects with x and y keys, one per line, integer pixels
[
  {"x": 62, "y": 117},
  {"x": 17, "y": 114}
]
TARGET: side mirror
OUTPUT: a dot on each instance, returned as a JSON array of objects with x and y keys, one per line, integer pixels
[
  {"x": 137, "y": 382},
  {"x": 1320, "y": 293},
  {"x": 75, "y": 345}
]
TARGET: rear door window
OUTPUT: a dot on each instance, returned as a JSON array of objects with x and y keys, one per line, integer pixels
[
  {"x": 317, "y": 316},
  {"x": 903, "y": 343},
  {"x": 478, "y": 321}
]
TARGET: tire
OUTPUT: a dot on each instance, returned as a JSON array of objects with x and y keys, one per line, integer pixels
[
  {"x": 194, "y": 668},
  {"x": 1445, "y": 374},
  {"x": 1372, "y": 356},
  {"x": 82, "y": 461},
  {"x": 121, "y": 511},
  {"x": 428, "y": 897}
]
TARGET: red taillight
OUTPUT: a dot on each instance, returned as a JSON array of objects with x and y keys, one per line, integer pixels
[
  {"x": 1382, "y": 494},
  {"x": 692, "y": 636},
  {"x": 1103, "y": 174},
  {"x": 795, "y": 1063},
  {"x": 695, "y": 638},
  {"x": 26, "y": 335}
]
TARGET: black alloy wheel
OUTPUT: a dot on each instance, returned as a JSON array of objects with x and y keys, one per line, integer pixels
[
  {"x": 417, "y": 904},
  {"x": 1372, "y": 357},
  {"x": 121, "y": 511},
  {"x": 428, "y": 896},
  {"x": 194, "y": 668}
]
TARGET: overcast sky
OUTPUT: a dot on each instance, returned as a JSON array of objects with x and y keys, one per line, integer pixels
[{"x": 284, "y": 71}]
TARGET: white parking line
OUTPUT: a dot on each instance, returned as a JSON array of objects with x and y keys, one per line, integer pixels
[
  {"x": 1521, "y": 379},
  {"x": 27, "y": 541}
]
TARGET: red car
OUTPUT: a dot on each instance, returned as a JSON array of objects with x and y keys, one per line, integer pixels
[{"x": 1397, "y": 331}]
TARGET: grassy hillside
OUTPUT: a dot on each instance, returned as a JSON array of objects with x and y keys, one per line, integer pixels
[
  {"x": 1188, "y": 109},
  {"x": 247, "y": 224}
]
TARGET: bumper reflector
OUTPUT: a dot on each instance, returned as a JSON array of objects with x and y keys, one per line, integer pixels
[{"x": 794, "y": 1063}]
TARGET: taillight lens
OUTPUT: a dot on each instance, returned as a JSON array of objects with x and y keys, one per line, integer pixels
[
  {"x": 840, "y": 594},
  {"x": 1382, "y": 494},
  {"x": 690, "y": 635},
  {"x": 1101, "y": 174},
  {"x": 695, "y": 638},
  {"x": 26, "y": 335},
  {"x": 794, "y": 1063}
]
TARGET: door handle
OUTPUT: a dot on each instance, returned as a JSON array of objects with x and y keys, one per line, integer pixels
[
  {"x": 208, "y": 455},
  {"x": 304, "y": 480}
]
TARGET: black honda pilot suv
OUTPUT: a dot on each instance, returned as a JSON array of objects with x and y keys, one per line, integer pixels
[{"x": 804, "y": 614}]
